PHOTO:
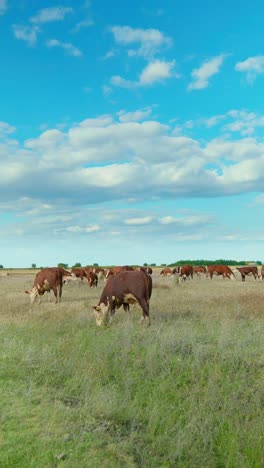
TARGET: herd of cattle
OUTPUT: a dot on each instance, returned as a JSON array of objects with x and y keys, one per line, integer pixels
[{"x": 125, "y": 285}]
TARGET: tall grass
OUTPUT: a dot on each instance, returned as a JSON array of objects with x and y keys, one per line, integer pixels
[{"x": 186, "y": 392}]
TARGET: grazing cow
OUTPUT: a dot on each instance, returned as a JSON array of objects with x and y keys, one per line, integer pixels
[
  {"x": 186, "y": 271},
  {"x": 117, "y": 269},
  {"x": 262, "y": 272},
  {"x": 79, "y": 273},
  {"x": 199, "y": 269},
  {"x": 166, "y": 272},
  {"x": 147, "y": 270},
  {"x": 46, "y": 280},
  {"x": 127, "y": 287},
  {"x": 248, "y": 270},
  {"x": 92, "y": 278},
  {"x": 176, "y": 270},
  {"x": 99, "y": 271},
  {"x": 219, "y": 270}
]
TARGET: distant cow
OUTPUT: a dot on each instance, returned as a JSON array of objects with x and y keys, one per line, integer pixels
[
  {"x": 92, "y": 278},
  {"x": 262, "y": 272},
  {"x": 219, "y": 270},
  {"x": 166, "y": 272},
  {"x": 79, "y": 273},
  {"x": 117, "y": 269},
  {"x": 199, "y": 269},
  {"x": 186, "y": 271},
  {"x": 147, "y": 270},
  {"x": 125, "y": 288},
  {"x": 46, "y": 280},
  {"x": 248, "y": 270}
]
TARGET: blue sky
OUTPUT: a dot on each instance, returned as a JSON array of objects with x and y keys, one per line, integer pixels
[{"x": 131, "y": 132}]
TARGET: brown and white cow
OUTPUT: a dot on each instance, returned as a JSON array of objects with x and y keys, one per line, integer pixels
[
  {"x": 262, "y": 272},
  {"x": 92, "y": 278},
  {"x": 46, "y": 280},
  {"x": 79, "y": 273},
  {"x": 186, "y": 271},
  {"x": 219, "y": 270},
  {"x": 147, "y": 270},
  {"x": 166, "y": 272},
  {"x": 248, "y": 270},
  {"x": 125, "y": 288}
]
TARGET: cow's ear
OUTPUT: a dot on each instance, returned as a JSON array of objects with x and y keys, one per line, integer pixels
[{"x": 28, "y": 292}]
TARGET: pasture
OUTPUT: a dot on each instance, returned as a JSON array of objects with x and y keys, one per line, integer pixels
[{"x": 187, "y": 391}]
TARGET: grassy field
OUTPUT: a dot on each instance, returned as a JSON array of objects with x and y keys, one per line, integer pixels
[{"x": 187, "y": 391}]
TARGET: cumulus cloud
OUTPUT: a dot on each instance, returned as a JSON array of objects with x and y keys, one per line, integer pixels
[
  {"x": 138, "y": 221},
  {"x": 69, "y": 48},
  {"x": 149, "y": 41},
  {"x": 156, "y": 71},
  {"x": 135, "y": 116},
  {"x": 202, "y": 75},
  {"x": 47, "y": 15},
  {"x": 252, "y": 67},
  {"x": 28, "y": 34}
]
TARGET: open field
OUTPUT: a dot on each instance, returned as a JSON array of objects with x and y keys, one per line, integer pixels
[{"x": 187, "y": 391}]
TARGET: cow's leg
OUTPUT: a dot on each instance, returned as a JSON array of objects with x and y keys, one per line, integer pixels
[
  {"x": 54, "y": 289},
  {"x": 145, "y": 311},
  {"x": 60, "y": 291},
  {"x": 243, "y": 276}
]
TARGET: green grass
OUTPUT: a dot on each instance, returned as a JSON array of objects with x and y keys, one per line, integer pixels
[{"x": 187, "y": 392}]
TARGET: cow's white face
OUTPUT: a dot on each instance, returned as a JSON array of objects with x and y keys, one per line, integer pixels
[
  {"x": 102, "y": 314},
  {"x": 33, "y": 294}
]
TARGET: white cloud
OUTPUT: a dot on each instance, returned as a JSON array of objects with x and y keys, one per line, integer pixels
[
  {"x": 68, "y": 47},
  {"x": 136, "y": 116},
  {"x": 154, "y": 72},
  {"x": 138, "y": 221},
  {"x": 28, "y": 34},
  {"x": 47, "y": 15},
  {"x": 85, "y": 229},
  {"x": 86, "y": 23},
  {"x": 202, "y": 74},
  {"x": 3, "y": 7},
  {"x": 252, "y": 66},
  {"x": 150, "y": 41}
]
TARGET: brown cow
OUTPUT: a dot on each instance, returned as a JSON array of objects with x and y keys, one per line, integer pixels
[
  {"x": 127, "y": 287},
  {"x": 147, "y": 270},
  {"x": 199, "y": 269},
  {"x": 115, "y": 270},
  {"x": 166, "y": 272},
  {"x": 186, "y": 271},
  {"x": 92, "y": 278},
  {"x": 46, "y": 280},
  {"x": 248, "y": 270},
  {"x": 79, "y": 273},
  {"x": 219, "y": 270},
  {"x": 262, "y": 272}
]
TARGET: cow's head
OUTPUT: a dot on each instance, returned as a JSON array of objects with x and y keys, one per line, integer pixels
[
  {"x": 102, "y": 313},
  {"x": 33, "y": 294}
]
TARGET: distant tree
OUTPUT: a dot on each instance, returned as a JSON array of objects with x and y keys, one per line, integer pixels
[
  {"x": 145, "y": 264},
  {"x": 163, "y": 264},
  {"x": 95, "y": 264},
  {"x": 63, "y": 265},
  {"x": 33, "y": 265},
  {"x": 153, "y": 264},
  {"x": 1, "y": 266},
  {"x": 77, "y": 265}
]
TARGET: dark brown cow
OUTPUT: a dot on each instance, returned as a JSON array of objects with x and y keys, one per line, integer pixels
[
  {"x": 92, "y": 278},
  {"x": 127, "y": 287},
  {"x": 219, "y": 270},
  {"x": 199, "y": 269},
  {"x": 166, "y": 272},
  {"x": 46, "y": 280},
  {"x": 248, "y": 270},
  {"x": 147, "y": 270},
  {"x": 176, "y": 270}
]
